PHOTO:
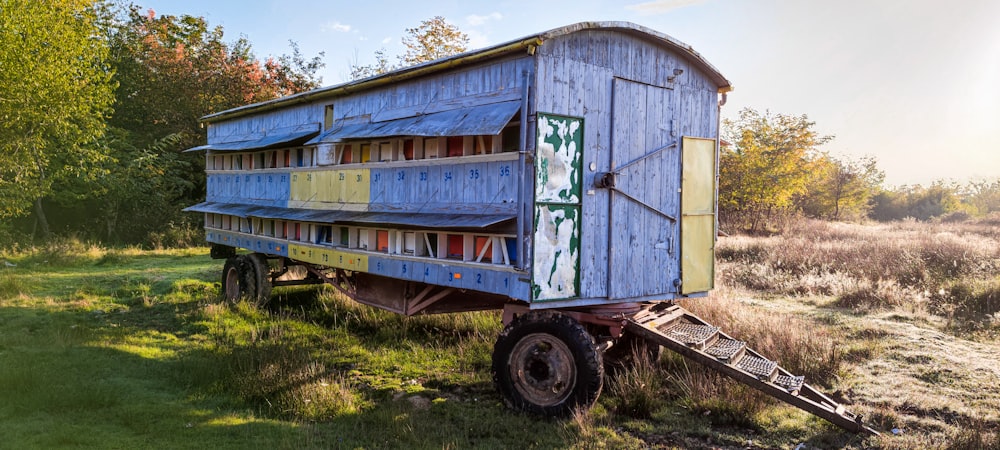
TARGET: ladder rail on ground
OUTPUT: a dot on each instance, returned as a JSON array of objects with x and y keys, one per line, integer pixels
[{"x": 683, "y": 332}]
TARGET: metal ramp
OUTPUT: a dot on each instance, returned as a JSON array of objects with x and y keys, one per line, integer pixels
[{"x": 681, "y": 331}]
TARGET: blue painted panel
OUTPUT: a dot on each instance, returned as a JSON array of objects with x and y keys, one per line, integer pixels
[
  {"x": 432, "y": 187},
  {"x": 462, "y": 277},
  {"x": 473, "y": 183},
  {"x": 447, "y": 183},
  {"x": 284, "y": 187},
  {"x": 379, "y": 185},
  {"x": 254, "y": 243},
  {"x": 490, "y": 182},
  {"x": 422, "y": 189}
]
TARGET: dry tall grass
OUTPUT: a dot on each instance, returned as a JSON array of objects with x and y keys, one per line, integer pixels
[{"x": 948, "y": 269}]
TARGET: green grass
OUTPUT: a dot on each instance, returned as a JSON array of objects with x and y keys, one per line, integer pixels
[{"x": 131, "y": 349}]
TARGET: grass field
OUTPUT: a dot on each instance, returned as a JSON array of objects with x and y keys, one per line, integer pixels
[{"x": 131, "y": 349}]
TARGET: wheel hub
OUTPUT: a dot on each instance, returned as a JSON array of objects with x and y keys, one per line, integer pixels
[
  {"x": 232, "y": 288},
  {"x": 543, "y": 369}
]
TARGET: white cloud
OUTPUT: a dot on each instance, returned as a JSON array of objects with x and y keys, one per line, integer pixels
[
  {"x": 661, "y": 6},
  {"x": 336, "y": 26},
  {"x": 387, "y": 40},
  {"x": 477, "y": 39},
  {"x": 476, "y": 20}
]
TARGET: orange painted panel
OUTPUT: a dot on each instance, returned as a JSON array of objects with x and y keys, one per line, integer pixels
[
  {"x": 382, "y": 241},
  {"x": 456, "y": 246},
  {"x": 482, "y": 241}
]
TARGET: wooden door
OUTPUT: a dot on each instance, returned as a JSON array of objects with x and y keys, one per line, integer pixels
[{"x": 644, "y": 198}]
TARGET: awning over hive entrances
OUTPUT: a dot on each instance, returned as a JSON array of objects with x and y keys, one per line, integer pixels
[
  {"x": 414, "y": 220},
  {"x": 277, "y": 140},
  {"x": 477, "y": 120}
]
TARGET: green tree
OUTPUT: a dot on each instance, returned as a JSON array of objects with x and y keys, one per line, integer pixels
[
  {"x": 380, "y": 66},
  {"x": 434, "y": 38},
  {"x": 841, "y": 188},
  {"x": 172, "y": 70},
  {"x": 766, "y": 165},
  {"x": 55, "y": 92},
  {"x": 918, "y": 202},
  {"x": 982, "y": 196}
]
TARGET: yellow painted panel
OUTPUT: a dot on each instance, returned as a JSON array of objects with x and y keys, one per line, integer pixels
[
  {"x": 329, "y": 257},
  {"x": 329, "y": 186},
  {"x": 339, "y": 186},
  {"x": 302, "y": 187},
  {"x": 698, "y": 194},
  {"x": 697, "y": 253},
  {"x": 357, "y": 186},
  {"x": 698, "y": 177},
  {"x": 298, "y": 187}
]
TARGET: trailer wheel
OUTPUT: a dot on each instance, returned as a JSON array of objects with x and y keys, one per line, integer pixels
[
  {"x": 262, "y": 276},
  {"x": 238, "y": 279},
  {"x": 547, "y": 363}
]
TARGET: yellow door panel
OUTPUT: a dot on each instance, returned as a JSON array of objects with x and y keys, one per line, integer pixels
[{"x": 698, "y": 194}]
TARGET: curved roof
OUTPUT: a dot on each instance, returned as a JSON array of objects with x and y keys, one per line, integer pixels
[{"x": 472, "y": 57}]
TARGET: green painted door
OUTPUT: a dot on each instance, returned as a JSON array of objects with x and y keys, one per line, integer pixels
[
  {"x": 558, "y": 201},
  {"x": 698, "y": 194}
]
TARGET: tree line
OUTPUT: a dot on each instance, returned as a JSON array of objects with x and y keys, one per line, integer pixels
[
  {"x": 772, "y": 169},
  {"x": 99, "y": 101},
  {"x": 100, "y": 98}
]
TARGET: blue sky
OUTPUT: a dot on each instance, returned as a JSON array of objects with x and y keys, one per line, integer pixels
[{"x": 915, "y": 83}]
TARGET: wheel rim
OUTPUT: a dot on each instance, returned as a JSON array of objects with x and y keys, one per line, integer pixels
[
  {"x": 232, "y": 284},
  {"x": 543, "y": 369}
]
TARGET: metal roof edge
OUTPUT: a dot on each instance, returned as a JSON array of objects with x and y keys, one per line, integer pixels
[{"x": 468, "y": 58}]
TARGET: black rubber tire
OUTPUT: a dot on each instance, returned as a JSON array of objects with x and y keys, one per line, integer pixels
[
  {"x": 625, "y": 351},
  {"x": 547, "y": 363},
  {"x": 262, "y": 276},
  {"x": 238, "y": 279}
]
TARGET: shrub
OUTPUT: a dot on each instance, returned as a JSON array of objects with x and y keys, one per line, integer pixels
[
  {"x": 12, "y": 286},
  {"x": 177, "y": 235},
  {"x": 968, "y": 299},
  {"x": 637, "y": 389},
  {"x": 867, "y": 296}
]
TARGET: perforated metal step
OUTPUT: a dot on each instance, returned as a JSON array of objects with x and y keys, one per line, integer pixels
[
  {"x": 692, "y": 335},
  {"x": 727, "y": 350},
  {"x": 791, "y": 383},
  {"x": 763, "y": 369}
]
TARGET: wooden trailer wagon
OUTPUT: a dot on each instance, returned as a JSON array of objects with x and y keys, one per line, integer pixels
[{"x": 567, "y": 178}]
